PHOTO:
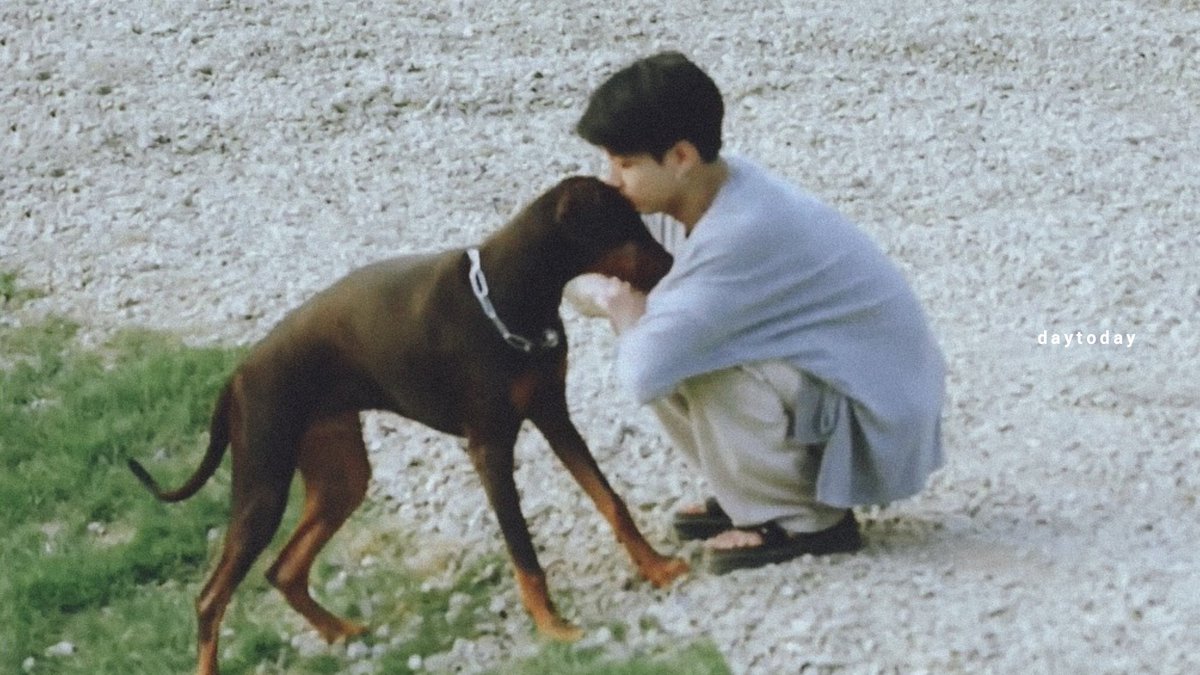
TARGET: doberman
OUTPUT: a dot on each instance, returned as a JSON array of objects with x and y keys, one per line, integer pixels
[{"x": 435, "y": 339}]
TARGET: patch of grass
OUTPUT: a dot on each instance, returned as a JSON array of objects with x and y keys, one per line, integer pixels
[
  {"x": 81, "y": 534},
  {"x": 12, "y": 295},
  {"x": 701, "y": 658},
  {"x": 91, "y": 559}
]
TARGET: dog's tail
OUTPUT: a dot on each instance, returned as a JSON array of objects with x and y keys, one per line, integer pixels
[{"x": 218, "y": 432}]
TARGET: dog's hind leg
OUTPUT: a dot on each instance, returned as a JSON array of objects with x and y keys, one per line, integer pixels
[
  {"x": 260, "y": 496},
  {"x": 551, "y": 418},
  {"x": 333, "y": 463}
]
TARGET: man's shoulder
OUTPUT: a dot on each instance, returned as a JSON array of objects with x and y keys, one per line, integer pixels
[
  {"x": 766, "y": 187},
  {"x": 762, "y": 202}
]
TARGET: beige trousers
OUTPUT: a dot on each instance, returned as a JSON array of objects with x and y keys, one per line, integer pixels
[{"x": 733, "y": 426}]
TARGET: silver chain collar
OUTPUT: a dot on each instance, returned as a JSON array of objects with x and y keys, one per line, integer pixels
[{"x": 550, "y": 337}]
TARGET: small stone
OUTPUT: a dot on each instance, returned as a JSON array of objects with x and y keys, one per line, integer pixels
[
  {"x": 596, "y": 638},
  {"x": 61, "y": 649},
  {"x": 356, "y": 651}
]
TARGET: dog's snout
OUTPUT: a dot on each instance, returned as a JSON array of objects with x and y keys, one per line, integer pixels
[
  {"x": 641, "y": 264},
  {"x": 654, "y": 265}
]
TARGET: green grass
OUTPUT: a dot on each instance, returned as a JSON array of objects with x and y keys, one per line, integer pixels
[
  {"x": 90, "y": 558},
  {"x": 83, "y": 540},
  {"x": 12, "y": 295},
  {"x": 694, "y": 659}
]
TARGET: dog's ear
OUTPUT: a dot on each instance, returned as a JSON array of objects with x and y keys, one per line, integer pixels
[
  {"x": 589, "y": 209},
  {"x": 580, "y": 197}
]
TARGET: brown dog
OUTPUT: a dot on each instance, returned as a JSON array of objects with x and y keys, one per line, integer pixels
[{"x": 437, "y": 340}]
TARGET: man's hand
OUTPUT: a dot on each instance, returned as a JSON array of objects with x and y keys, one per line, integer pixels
[{"x": 597, "y": 295}]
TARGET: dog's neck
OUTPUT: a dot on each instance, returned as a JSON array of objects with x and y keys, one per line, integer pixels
[
  {"x": 526, "y": 272},
  {"x": 527, "y": 261},
  {"x": 550, "y": 337}
]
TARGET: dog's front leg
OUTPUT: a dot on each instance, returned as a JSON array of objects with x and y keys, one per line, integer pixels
[
  {"x": 492, "y": 456},
  {"x": 555, "y": 425}
]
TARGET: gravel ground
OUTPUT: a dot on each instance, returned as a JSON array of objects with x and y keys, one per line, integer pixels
[{"x": 202, "y": 166}]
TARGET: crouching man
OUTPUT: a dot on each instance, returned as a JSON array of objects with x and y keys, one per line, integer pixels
[{"x": 784, "y": 354}]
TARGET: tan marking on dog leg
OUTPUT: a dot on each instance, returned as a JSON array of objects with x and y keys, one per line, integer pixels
[
  {"x": 521, "y": 392},
  {"x": 536, "y": 598},
  {"x": 656, "y": 568},
  {"x": 258, "y": 502},
  {"x": 336, "y": 472},
  {"x": 573, "y": 452}
]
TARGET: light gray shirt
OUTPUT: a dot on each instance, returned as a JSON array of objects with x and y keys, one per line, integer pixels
[{"x": 769, "y": 272}]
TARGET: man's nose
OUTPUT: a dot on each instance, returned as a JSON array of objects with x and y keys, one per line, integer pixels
[{"x": 612, "y": 178}]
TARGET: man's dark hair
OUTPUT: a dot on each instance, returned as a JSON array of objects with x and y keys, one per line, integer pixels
[{"x": 652, "y": 104}]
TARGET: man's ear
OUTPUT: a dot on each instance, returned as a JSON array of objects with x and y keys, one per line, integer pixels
[{"x": 682, "y": 157}]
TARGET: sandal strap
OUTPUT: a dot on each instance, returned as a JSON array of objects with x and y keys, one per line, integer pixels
[{"x": 713, "y": 508}]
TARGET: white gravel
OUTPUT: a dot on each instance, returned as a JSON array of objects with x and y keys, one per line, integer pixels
[{"x": 202, "y": 166}]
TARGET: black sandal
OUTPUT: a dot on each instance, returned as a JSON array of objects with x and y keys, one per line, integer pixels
[
  {"x": 779, "y": 545},
  {"x": 709, "y": 523}
]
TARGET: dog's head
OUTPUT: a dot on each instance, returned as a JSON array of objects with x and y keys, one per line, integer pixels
[{"x": 609, "y": 235}]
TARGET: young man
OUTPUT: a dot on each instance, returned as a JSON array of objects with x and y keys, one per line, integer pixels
[{"x": 784, "y": 354}]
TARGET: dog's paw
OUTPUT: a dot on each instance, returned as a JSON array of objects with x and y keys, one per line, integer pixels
[
  {"x": 662, "y": 572},
  {"x": 340, "y": 630},
  {"x": 560, "y": 630}
]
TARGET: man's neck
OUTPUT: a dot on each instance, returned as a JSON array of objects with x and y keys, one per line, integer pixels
[{"x": 704, "y": 182}]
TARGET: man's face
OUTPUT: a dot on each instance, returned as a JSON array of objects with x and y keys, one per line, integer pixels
[{"x": 652, "y": 186}]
